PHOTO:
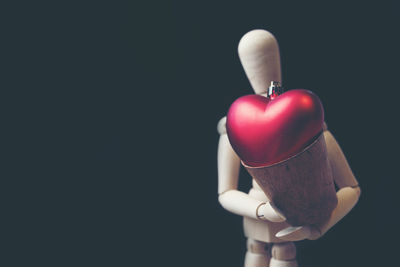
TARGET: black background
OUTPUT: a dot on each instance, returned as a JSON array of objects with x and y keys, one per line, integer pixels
[{"x": 112, "y": 121}]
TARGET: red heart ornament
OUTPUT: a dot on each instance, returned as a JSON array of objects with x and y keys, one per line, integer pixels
[{"x": 264, "y": 131}]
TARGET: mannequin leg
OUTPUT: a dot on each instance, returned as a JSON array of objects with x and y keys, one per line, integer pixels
[
  {"x": 283, "y": 255},
  {"x": 257, "y": 254}
]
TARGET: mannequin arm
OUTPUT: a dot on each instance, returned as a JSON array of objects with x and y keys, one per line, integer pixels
[
  {"x": 348, "y": 195},
  {"x": 228, "y": 174},
  {"x": 349, "y": 191},
  {"x": 347, "y": 199}
]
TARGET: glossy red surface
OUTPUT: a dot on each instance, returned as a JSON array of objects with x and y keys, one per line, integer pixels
[{"x": 264, "y": 131}]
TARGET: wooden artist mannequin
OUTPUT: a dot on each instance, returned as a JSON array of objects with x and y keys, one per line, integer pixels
[{"x": 269, "y": 237}]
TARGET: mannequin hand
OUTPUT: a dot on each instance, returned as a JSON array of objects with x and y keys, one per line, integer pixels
[
  {"x": 267, "y": 211},
  {"x": 299, "y": 233}
]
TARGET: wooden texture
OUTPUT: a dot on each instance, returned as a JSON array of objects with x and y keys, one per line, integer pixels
[
  {"x": 302, "y": 186},
  {"x": 259, "y": 54}
]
